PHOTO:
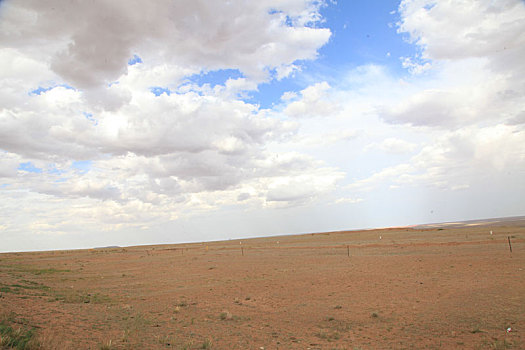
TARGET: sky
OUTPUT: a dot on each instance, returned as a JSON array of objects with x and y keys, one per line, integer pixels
[{"x": 130, "y": 122}]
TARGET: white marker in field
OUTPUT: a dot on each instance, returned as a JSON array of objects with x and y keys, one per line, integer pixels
[
  {"x": 380, "y": 237},
  {"x": 490, "y": 232}
]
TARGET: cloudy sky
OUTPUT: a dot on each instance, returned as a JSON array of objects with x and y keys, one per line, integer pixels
[{"x": 130, "y": 122}]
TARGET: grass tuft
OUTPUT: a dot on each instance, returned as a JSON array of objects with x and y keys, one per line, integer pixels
[
  {"x": 106, "y": 346},
  {"x": 225, "y": 315},
  {"x": 20, "y": 338},
  {"x": 476, "y": 330},
  {"x": 207, "y": 344}
]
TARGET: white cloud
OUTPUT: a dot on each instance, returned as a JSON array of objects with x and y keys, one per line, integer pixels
[
  {"x": 475, "y": 49},
  {"x": 68, "y": 93},
  {"x": 302, "y": 188},
  {"x": 315, "y": 101},
  {"x": 348, "y": 200},
  {"x": 454, "y": 122},
  {"x": 413, "y": 66},
  {"x": 289, "y": 95},
  {"x": 393, "y": 145},
  {"x": 328, "y": 138},
  {"x": 88, "y": 49},
  {"x": 380, "y": 178},
  {"x": 9, "y": 164},
  {"x": 456, "y": 160},
  {"x": 451, "y": 30}
]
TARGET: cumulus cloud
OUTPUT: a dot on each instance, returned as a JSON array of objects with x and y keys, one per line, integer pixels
[
  {"x": 111, "y": 83},
  {"x": 449, "y": 30},
  {"x": 474, "y": 51},
  {"x": 108, "y": 121},
  {"x": 89, "y": 44},
  {"x": 314, "y": 101},
  {"x": 302, "y": 188},
  {"x": 456, "y": 160}
]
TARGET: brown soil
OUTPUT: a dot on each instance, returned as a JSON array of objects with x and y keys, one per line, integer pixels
[{"x": 458, "y": 288}]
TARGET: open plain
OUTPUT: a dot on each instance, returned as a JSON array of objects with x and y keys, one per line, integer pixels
[{"x": 401, "y": 288}]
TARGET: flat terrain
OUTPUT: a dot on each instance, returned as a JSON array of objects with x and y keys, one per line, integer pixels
[{"x": 405, "y": 288}]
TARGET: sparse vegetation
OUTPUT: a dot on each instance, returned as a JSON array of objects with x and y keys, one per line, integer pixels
[
  {"x": 75, "y": 297},
  {"x": 30, "y": 285},
  {"x": 501, "y": 344},
  {"x": 36, "y": 271},
  {"x": 6, "y": 290},
  {"x": 225, "y": 315},
  {"x": 163, "y": 340},
  {"x": 125, "y": 336},
  {"x": 46, "y": 271},
  {"x": 207, "y": 344},
  {"x": 107, "y": 346},
  {"x": 16, "y": 338},
  {"x": 476, "y": 330},
  {"x": 329, "y": 336},
  {"x": 156, "y": 305}
]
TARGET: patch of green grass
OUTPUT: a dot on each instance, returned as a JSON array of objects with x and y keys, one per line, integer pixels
[
  {"x": 33, "y": 270},
  {"x": 82, "y": 297},
  {"x": 20, "y": 338},
  {"x": 47, "y": 271},
  {"x": 6, "y": 289},
  {"x": 32, "y": 286},
  {"x": 374, "y": 315},
  {"x": 24, "y": 287}
]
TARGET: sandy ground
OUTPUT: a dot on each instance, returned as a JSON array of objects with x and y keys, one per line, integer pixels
[{"x": 452, "y": 288}]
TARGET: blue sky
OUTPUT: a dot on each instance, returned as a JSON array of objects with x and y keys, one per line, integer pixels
[
  {"x": 362, "y": 33},
  {"x": 260, "y": 118}
]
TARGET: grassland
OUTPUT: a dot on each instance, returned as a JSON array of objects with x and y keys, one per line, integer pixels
[{"x": 400, "y": 288}]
